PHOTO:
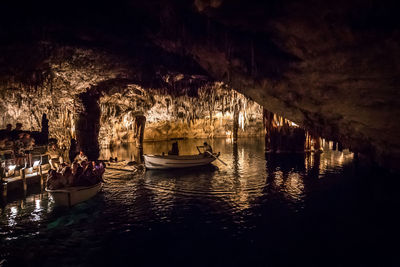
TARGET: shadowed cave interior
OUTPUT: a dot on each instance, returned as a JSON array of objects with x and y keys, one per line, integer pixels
[{"x": 298, "y": 98}]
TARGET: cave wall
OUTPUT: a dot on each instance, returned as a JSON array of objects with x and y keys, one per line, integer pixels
[
  {"x": 208, "y": 114},
  {"x": 53, "y": 88},
  {"x": 218, "y": 128},
  {"x": 200, "y": 111},
  {"x": 331, "y": 67}
]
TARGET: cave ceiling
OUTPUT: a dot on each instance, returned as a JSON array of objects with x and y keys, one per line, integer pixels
[{"x": 330, "y": 66}]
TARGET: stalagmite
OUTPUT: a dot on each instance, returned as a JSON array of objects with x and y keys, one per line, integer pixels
[
  {"x": 88, "y": 123},
  {"x": 340, "y": 146},
  {"x": 140, "y": 122},
  {"x": 317, "y": 143},
  {"x": 281, "y": 135},
  {"x": 267, "y": 121},
  {"x": 138, "y": 154},
  {"x": 307, "y": 143},
  {"x": 235, "y": 123},
  {"x": 45, "y": 129}
]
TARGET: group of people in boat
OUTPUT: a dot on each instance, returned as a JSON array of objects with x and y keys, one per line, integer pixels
[
  {"x": 81, "y": 172},
  {"x": 19, "y": 142}
]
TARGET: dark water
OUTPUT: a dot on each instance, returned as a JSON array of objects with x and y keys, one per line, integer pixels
[{"x": 260, "y": 210}]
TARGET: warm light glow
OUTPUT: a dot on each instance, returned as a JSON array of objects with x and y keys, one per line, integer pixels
[
  {"x": 11, "y": 167},
  {"x": 127, "y": 121},
  {"x": 36, "y": 163},
  {"x": 35, "y": 215},
  {"x": 294, "y": 186},
  {"x": 341, "y": 158},
  {"x": 14, "y": 211},
  {"x": 241, "y": 120},
  {"x": 12, "y": 217},
  {"x": 37, "y": 204}
]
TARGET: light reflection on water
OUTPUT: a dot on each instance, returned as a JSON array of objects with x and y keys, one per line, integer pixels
[
  {"x": 239, "y": 184},
  {"x": 227, "y": 198}
]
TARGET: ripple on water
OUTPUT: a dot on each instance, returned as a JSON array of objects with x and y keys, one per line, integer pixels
[{"x": 254, "y": 189}]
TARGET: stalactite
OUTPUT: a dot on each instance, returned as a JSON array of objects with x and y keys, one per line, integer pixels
[
  {"x": 340, "y": 146},
  {"x": 235, "y": 123},
  {"x": 140, "y": 122}
]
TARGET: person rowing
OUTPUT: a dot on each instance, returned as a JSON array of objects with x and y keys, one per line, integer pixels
[
  {"x": 209, "y": 152},
  {"x": 207, "y": 148}
]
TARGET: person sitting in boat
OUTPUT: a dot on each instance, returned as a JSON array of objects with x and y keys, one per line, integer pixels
[
  {"x": 55, "y": 155},
  {"x": 88, "y": 176},
  {"x": 55, "y": 180},
  {"x": 77, "y": 175},
  {"x": 98, "y": 171},
  {"x": 207, "y": 148},
  {"x": 84, "y": 175},
  {"x": 74, "y": 167},
  {"x": 174, "y": 150},
  {"x": 65, "y": 170},
  {"x": 67, "y": 174},
  {"x": 93, "y": 173},
  {"x": 61, "y": 167},
  {"x": 81, "y": 157},
  {"x": 79, "y": 179}
]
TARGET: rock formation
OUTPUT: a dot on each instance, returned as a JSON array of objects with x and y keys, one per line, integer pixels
[{"x": 329, "y": 66}]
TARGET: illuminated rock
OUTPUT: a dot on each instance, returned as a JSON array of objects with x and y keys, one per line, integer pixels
[{"x": 330, "y": 67}]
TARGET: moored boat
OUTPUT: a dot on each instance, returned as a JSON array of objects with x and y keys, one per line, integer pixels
[
  {"x": 174, "y": 161},
  {"x": 71, "y": 196}
]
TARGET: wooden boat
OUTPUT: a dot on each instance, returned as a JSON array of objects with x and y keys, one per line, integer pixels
[
  {"x": 73, "y": 195},
  {"x": 184, "y": 161}
]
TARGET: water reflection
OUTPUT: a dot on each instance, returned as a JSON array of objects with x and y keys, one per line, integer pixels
[
  {"x": 12, "y": 216},
  {"x": 249, "y": 176},
  {"x": 123, "y": 152},
  {"x": 285, "y": 175},
  {"x": 214, "y": 198}
]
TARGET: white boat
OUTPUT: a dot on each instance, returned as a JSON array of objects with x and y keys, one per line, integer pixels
[
  {"x": 173, "y": 161},
  {"x": 73, "y": 195}
]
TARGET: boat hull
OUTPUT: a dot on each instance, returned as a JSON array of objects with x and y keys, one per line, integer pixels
[
  {"x": 73, "y": 195},
  {"x": 157, "y": 162}
]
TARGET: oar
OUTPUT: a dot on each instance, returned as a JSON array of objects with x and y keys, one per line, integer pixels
[{"x": 216, "y": 157}]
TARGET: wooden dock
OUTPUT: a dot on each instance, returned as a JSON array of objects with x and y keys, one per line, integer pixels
[{"x": 27, "y": 177}]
